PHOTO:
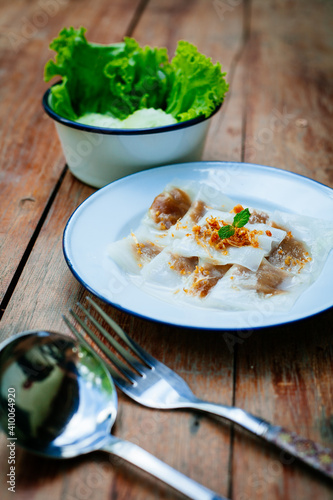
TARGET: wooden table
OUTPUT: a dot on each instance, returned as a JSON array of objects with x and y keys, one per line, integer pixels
[{"x": 278, "y": 58}]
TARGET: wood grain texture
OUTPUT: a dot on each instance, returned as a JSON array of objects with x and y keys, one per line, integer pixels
[
  {"x": 271, "y": 115},
  {"x": 289, "y": 87},
  {"x": 31, "y": 161},
  {"x": 285, "y": 374},
  {"x": 165, "y": 22},
  {"x": 206, "y": 367},
  {"x": 272, "y": 382}
]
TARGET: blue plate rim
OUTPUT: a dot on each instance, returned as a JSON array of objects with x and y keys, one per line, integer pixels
[{"x": 207, "y": 164}]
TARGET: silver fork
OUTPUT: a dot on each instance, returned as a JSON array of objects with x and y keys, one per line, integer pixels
[{"x": 151, "y": 383}]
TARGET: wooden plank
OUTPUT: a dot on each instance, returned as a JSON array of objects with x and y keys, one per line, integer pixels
[
  {"x": 197, "y": 446},
  {"x": 285, "y": 374},
  {"x": 221, "y": 41},
  {"x": 43, "y": 175},
  {"x": 289, "y": 91},
  {"x": 272, "y": 396},
  {"x": 31, "y": 161}
]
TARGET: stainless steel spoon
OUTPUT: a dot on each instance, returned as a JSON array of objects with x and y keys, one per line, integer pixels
[{"x": 65, "y": 403}]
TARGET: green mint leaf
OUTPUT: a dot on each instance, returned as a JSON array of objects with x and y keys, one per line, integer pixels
[
  {"x": 226, "y": 231},
  {"x": 241, "y": 218}
]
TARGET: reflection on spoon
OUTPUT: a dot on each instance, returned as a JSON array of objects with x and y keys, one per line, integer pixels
[{"x": 66, "y": 404}]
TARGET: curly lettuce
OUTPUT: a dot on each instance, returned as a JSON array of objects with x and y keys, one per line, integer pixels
[
  {"x": 197, "y": 86},
  {"x": 121, "y": 78}
]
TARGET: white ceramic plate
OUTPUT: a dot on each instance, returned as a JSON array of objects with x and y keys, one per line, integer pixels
[{"x": 112, "y": 212}]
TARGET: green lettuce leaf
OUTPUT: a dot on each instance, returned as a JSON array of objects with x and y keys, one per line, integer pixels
[
  {"x": 197, "y": 87},
  {"x": 138, "y": 79},
  {"x": 121, "y": 78}
]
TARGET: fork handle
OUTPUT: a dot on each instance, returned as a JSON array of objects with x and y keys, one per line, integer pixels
[
  {"x": 147, "y": 462},
  {"x": 313, "y": 454},
  {"x": 306, "y": 450}
]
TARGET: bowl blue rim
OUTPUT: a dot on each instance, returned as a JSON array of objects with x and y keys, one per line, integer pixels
[{"x": 115, "y": 131}]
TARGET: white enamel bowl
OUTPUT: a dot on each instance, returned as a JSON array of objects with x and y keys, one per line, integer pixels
[{"x": 98, "y": 156}]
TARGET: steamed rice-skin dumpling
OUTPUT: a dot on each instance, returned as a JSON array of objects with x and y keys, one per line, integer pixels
[{"x": 196, "y": 245}]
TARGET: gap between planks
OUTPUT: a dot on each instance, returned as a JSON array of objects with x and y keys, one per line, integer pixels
[{"x": 12, "y": 285}]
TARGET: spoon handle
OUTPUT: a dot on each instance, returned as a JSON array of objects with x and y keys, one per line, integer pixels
[
  {"x": 313, "y": 454},
  {"x": 147, "y": 462}
]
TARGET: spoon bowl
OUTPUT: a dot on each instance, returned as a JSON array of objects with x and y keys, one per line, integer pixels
[
  {"x": 65, "y": 400},
  {"x": 65, "y": 404}
]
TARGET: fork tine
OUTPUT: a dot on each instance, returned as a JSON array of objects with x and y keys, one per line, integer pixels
[
  {"x": 138, "y": 350},
  {"x": 81, "y": 338},
  {"x": 133, "y": 362},
  {"x": 113, "y": 359},
  {"x": 121, "y": 382}
]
